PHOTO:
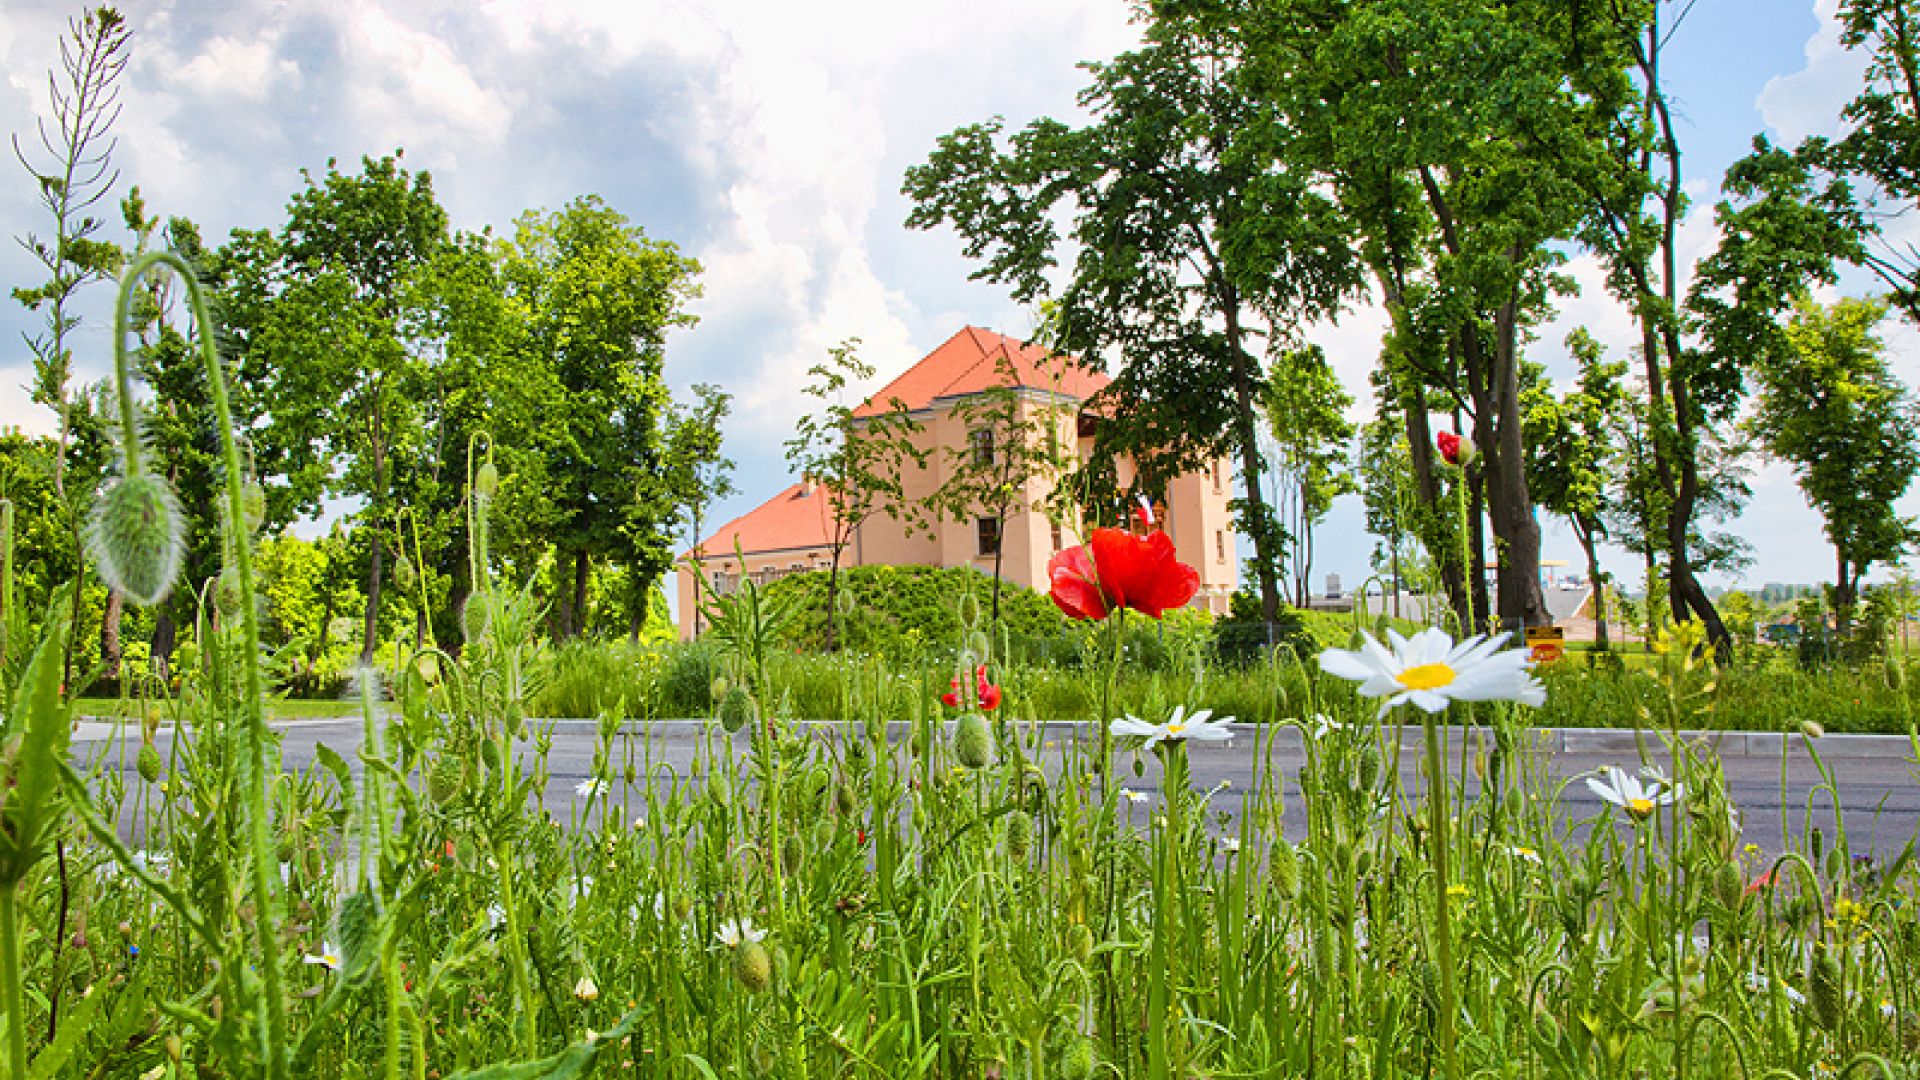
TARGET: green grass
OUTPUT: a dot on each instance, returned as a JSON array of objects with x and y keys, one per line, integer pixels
[{"x": 277, "y": 708}]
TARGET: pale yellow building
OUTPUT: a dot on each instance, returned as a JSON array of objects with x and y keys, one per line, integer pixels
[{"x": 793, "y": 530}]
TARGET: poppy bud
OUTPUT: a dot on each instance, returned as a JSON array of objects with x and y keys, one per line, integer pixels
[
  {"x": 790, "y": 852},
  {"x": 1369, "y": 766},
  {"x": 972, "y": 742},
  {"x": 1817, "y": 844},
  {"x": 969, "y": 610},
  {"x": 1730, "y": 886},
  {"x": 403, "y": 574},
  {"x": 844, "y": 799},
  {"x": 474, "y": 616},
  {"x": 738, "y": 709},
  {"x": 753, "y": 966},
  {"x": 1825, "y": 998},
  {"x": 980, "y": 645},
  {"x": 1077, "y": 1061},
  {"x": 226, "y": 592},
  {"x": 148, "y": 763},
  {"x": 136, "y": 538},
  {"x": 1019, "y": 835},
  {"x": 1284, "y": 866},
  {"x": 253, "y": 505},
  {"x": 486, "y": 480}
]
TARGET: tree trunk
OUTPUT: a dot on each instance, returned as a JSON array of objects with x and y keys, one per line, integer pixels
[
  {"x": 1477, "y": 550},
  {"x": 1446, "y": 552},
  {"x": 999, "y": 560},
  {"x": 1596, "y": 579},
  {"x": 833, "y": 599},
  {"x": 110, "y": 636},
  {"x": 375, "y": 571},
  {"x": 162, "y": 645},
  {"x": 577, "y": 596},
  {"x": 1265, "y": 559}
]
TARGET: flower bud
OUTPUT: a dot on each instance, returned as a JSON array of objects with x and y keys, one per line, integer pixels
[
  {"x": 980, "y": 646},
  {"x": 1369, "y": 765},
  {"x": 1825, "y": 997},
  {"x": 737, "y": 710},
  {"x": 585, "y": 990},
  {"x": 753, "y": 966},
  {"x": 136, "y": 538},
  {"x": 403, "y": 573},
  {"x": 149, "y": 763},
  {"x": 1729, "y": 886},
  {"x": 1019, "y": 835},
  {"x": 969, "y": 610},
  {"x": 844, "y": 799},
  {"x": 972, "y": 742},
  {"x": 226, "y": 592},
  {"x": 790, "y": 852},
  {"x": 1812, "y": 729},
  {"x": 1284, "y": 867},
  {"x": 253, "y": 506},
  {"x": 1077, "y": 1061},
  {"x": 474, "y": 616},
  {"x": 486, "y": 480},
  {"x": 1817, "y": 845}
]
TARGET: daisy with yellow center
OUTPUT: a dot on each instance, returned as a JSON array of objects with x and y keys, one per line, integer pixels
[
  {"x": 1200, "y": 726},
  {"x": 328, "y": 957},
  {"x": 1430, "y": 671},
  {"x": 1619, "y": 788}
]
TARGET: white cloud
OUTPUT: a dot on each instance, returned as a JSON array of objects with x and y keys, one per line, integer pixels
[{"x": 1807, "y": 102}]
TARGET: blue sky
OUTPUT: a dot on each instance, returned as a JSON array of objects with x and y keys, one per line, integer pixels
[{"x": 768, "y": 139}]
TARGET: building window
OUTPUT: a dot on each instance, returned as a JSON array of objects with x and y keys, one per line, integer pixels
[
  {"x": 1058, "y": 540},
  {"x": 988, "y": 531},
  {"x": 1219, "y": 478},
  {"x": 1220, "y": 545},
  {"x": 981, "y": 439}
]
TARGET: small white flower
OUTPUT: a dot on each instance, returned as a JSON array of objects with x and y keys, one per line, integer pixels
[
  {"x": 1432, "y": 672},
  {"x": 328, "y": 957},
  {"x": 1760, "y": 984},
  {"x": 590, "y": 788},
  {"x": 1230, "y": 844},
  {"x": 1323, "y": 726},
  {"x": 1137, "y": 798},
  {"x": 1615, "y": 785},
  {"x": 585, "y": 990},
  {"x": 1524, "y": 854},
  {"x": 735, "y": 932},
  {"x": 1200, "y": 727}
]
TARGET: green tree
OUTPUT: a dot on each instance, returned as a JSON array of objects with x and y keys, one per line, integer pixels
[
  {"x": 1305, "y": 409},
  {"x": 1832, "y": 410},
  {"x": 858, "y": 455},
  {"x": 599, "y": 299},
  {"x": 1385, "y": 468},
  {"x": 1572, "y": 457},
  {"x": 699, "y": 473},
  {"x": 1193, "y": 241}
]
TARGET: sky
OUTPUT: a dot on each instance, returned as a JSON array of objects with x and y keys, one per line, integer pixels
[{"x": 768, "y": 140}]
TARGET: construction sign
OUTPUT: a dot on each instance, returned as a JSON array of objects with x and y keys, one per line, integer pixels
[{"x": 1546, "y": 643}]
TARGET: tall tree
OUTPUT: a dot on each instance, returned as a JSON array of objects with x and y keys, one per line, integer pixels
[
  {"x": 858, "y": 455},
  {"x": 1831, "y": 409},
  {"x": 1306, "y": 413},
  {"x": 317, "y": 316},
  {"x": 1572, "y": 457},
  {"x": 698, "y": 470},
  {"x": 599, "y": 299},
  {"x": 1194, "y": 242}
]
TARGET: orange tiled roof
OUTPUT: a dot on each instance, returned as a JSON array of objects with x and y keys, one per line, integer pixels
[
  {"x": 794, "y": 520},
  {"x": 974, "y": 360}
]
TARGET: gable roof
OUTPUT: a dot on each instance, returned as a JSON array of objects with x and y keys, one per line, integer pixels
[
  {"x": 974, "y": 360},
  {"x": 798, "y": 519}
]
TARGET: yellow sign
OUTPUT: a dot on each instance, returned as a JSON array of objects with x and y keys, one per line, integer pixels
[{"x": 1546, "y": 643}]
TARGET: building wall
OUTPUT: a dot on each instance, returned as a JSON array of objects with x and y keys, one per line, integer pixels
[
  {"x": 725, "y": 573},
  {"x": 1195, "y": 516}
]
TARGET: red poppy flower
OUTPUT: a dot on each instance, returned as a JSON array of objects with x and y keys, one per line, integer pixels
[
  {"x": 986, "y": 695},
  {"x": 1115, "y": 569},
  {"x": 1455, "y": 449}
]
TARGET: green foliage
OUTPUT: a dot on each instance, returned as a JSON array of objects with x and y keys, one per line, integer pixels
[{"x": 906, "y": 611}]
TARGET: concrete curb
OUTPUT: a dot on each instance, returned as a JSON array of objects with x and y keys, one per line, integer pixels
[{"x": 1591, "y": 741}]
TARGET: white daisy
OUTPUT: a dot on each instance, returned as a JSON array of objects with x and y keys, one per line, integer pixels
[
  {"x": 1230, "y": 844},
  {"x": 328, "y": 957},
  {"x": 735, "y": 932},
  {"x": 1323, "y": 726},
  {"x": 589, "y": 788},
  {"x": 1430, "y": 671},
  {"x": 1200, "y": 727},
  {"x": 585, "y": 990},
  {"x": 1617, "y": 786},
  {"x": 1524, "y": 854},
  {"x": 1760, "y": 984},
  {"x": 1137, "y": 798}
]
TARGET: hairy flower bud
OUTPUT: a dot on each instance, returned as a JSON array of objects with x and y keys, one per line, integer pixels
[
  {"x": 1369, "y": 765},
  {"x": 790, "y": 852},
  {"x": 136, "y": 538},
  {"x": 474, "y": 616},
  {"x": 227, "y": 597},
  {"x": 972, "y": 742},
  {"x": 969, "y": 610},
  {"x": 1825, "y": 996},
  {"x": 148, "y": 763},
  {"x": 1019, "y": 835},
  {"x": 486, "y": 480},
  {"x": 980, "y": 646},
  {"x": 253, "y": 506},
  {"x": 753, "y": 966},
  {"x": 1730, "y": 886},
  {"x": 1284, "y": 868},
  {"x": 737, "y": 710}
]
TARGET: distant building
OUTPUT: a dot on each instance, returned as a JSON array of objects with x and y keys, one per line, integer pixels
[{"x": 792, "y": 531}]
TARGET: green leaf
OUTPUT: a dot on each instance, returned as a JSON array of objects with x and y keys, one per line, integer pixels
[
  {"x": 30, "y": 807},
  {"x": 330, "y": 759},
  {"x": 568, "y": 1064},
  {"x": 73, "y": 1028}
]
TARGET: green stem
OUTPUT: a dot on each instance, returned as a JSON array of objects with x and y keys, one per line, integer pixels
[
  {"x": 10, "y": 982},
  {"x": 266, "y": 897},
  {"x": 1443, "y": 928}
]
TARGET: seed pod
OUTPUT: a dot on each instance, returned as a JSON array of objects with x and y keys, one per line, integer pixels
[
  {"x": 1825, "y": 999},
  {"x": 1077, "y": 1061},
  {"x": 969, "y": 610},
  {"x": 403, "y": 573},
  {"x": 486, "y": 480},
  {"x": 136, "y": 538},
  {"x": 1835, "y": 864},
  {"x": 738, "y": 709},
  {"x": 1019, "y": 835},
  {"x": 474, "y": 616},
  {"x": 1817, "y": 844},
  {"x": 972, "y": 742},
  {"x": 490, "y": 753},
  {"x": 753, "y": 966},
  {"x": 226, "y": 592},
  {"x": 844, "y": 799},
  {"x": 790, "y": 852},
  {"x": 1729, "y": 885},
  {"x": 1284, "y": 867},
  {"x": 149, "y": 763}
]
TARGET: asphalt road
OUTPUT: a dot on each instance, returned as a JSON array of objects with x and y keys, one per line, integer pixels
[{"x": 1878, "y": 782}]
